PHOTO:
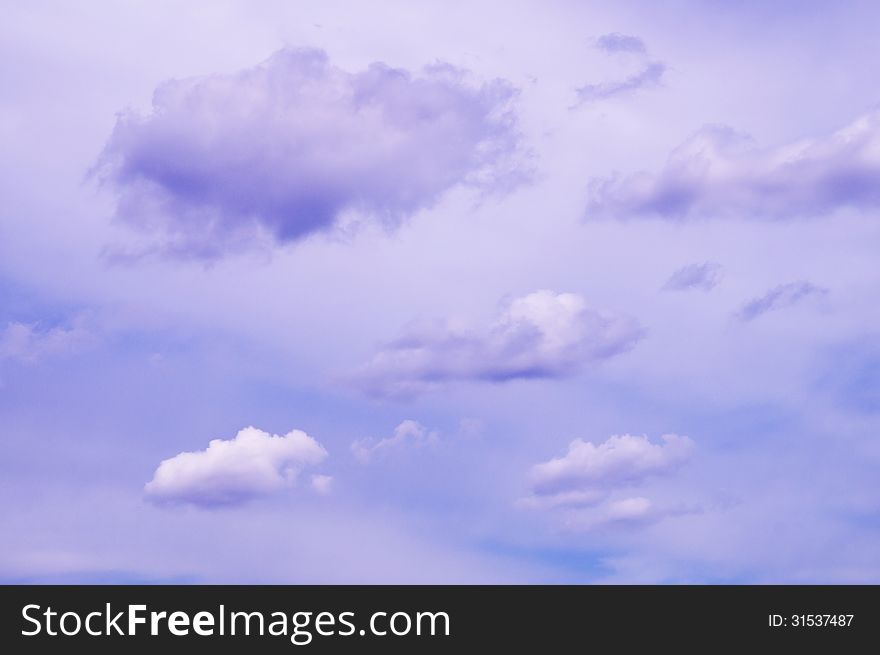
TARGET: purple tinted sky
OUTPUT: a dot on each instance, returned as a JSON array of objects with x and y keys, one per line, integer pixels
[{"x": 420, "y": 292}]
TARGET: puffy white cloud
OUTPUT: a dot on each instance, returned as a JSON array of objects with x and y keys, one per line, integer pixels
[
  {"x": 587, "y": 473},
  {"x": 719, "y": 172},
  {"x": 615, "y": 42},
  {"x": 541, "y": 335},
  {"x": 784, "y": 295},
  {"x": 230, "y": 471},
  {"x": 408, "y": 432},
  {"x": 294, "y": 145},
  {"x": 705, "y": 277}
]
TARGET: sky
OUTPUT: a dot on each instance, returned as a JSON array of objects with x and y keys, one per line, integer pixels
[{"x": 439, "y": 292}]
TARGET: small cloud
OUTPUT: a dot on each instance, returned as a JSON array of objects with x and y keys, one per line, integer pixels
[
  {"x": 704, "y": 277},
  {"x": 785, "y": 295},
  {"x": 409, "y": 432},
  {"x": 581, "y": 482},
  {"x": 615, "y": 42},
  {"x": 622, "y": 459},
  {"x": 471, "y": 428},
  {"x": 31, "y": 342},
  {"x": 591, "y": 483},
  {"x": 541, "y": 335},
  {"x": 719, "y": 172},
  {"x": 650, "y": 74},
  {"x": 230, "y": 471},
  {"x": 322, "y": 484}
]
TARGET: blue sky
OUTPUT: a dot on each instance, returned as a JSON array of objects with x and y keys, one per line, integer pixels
[{"x": 431, "y": 292}]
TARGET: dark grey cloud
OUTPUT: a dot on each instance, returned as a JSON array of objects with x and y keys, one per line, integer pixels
[
  {"x": 721, "y": 173},
  {"x": 292, "y": 146},
  {"x": 784, "y": 295},
  {"x": 704, "y": 276},
  {"x": 541, "y": 335}
]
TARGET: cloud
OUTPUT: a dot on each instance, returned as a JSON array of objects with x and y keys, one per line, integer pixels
[
  {"x": 408, "y": 432},
  {"x": 615, "y": 42},
  {"x": 721, "y": 173},
  {"x": 322, "y": 484},
  {"x": 587, "y": 473},
  {"x": 230, "y": 471},
  {"x": 784, "y": 295},
  {"x": 650, "y": 73},
  {"x": 296, "y": 146},
  {"x": 540, "y": 335},
  {"x": 30, "y": 342},
  {"x": 705, "y": 277}
]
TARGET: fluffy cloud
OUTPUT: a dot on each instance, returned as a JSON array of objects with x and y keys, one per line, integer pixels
[
  {"x": 705, "y": 277},
  {"x": 587, "y": 473},
  {"x": 408, "y": 432},
  {"x": 719, "y": 172},
  {"x": 785, "y": 295},
  {"x": 541, "y": 335},
  {"x": 29, "y": 342},
  {"x": 650, "y": 73},
  {"x": 230, "y": 471},
  {"x": 295, "y": 145}
]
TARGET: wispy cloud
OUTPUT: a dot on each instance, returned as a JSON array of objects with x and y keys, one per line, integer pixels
[
  {"x": 721, "y": 173},
  {"x": 649, "y": 74},
  {"x": 615, "y": 42},
  {"x": 784, "y": 295},
  {"x": 31, "y": 342}
]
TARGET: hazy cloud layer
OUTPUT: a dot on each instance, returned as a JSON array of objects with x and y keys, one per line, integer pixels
[
  {"x": 230, "y": 471},
  {"x": 587, "y": 473},
  {"x": 541, "y": 335},
  {"x": 785, "y": 295},
  {"x": 705, "y": 277},
  {"x": 721, "y": 173},
  {"x": 290, "y": 147}
]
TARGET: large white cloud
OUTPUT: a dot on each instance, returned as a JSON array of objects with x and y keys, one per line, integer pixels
[
  {"x": 229, "y": 471},
  {"x": 587, "y": 473},
  {"x": 295, "y": 145},
  {"x": 541, "y": 335},
  {"x": 721, "y": 173}
]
